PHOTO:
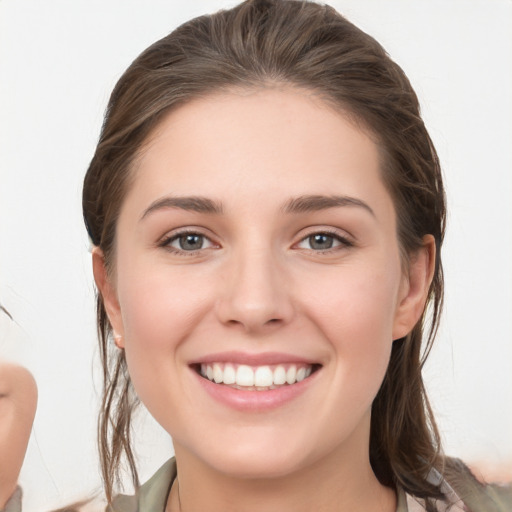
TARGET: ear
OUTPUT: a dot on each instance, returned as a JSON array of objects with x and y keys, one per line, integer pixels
[
  {"x": 109, "y": 295},
  {"x": 414, "y": 288}
]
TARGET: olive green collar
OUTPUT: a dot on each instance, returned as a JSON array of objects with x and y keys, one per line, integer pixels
[{"x": 153, "y": 495}]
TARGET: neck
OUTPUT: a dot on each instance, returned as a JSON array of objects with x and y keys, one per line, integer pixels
[{"x": 333, "y": 484}]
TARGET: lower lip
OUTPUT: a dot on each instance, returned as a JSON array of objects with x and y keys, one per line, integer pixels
[{"x": 255, "y": 400}]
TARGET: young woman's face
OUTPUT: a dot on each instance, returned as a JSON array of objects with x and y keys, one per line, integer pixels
[{"x": 258, "y": 285}]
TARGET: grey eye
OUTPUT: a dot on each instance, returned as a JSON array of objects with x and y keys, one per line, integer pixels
[
  {"x": 187, "y": 241},
  {"x": 190, "y": 242},
  {"x": 323, "y": 242},
  {"x": 320, "y": 241}
]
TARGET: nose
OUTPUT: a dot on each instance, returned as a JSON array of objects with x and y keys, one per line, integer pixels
[{"x": 256, "y": 293}]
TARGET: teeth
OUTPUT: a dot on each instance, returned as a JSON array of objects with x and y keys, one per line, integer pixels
[
  {"x": 244, "y": 376},
  {"x": 279, "y": 375},
  {"x": 290, "y": 374},
  {"x": 229, "y": 374},
  {"x": 263, "y": 377},
  {"x": 259, "y": 378},
  {"x": 218, "y": 374}
]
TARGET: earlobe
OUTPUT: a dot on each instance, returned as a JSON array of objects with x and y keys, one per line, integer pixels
[
  {"x": 109, "y": 295},
  {"x": 415, "y": 287}
]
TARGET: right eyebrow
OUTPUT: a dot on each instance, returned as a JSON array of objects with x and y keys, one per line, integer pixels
[
  {"x": 313, "y": 203},
  {"x": 190, "y": 203}
]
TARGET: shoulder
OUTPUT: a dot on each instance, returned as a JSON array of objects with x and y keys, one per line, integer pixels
[
  {"x": 463, "y": 492},
  {"x": 152, "y": 496},
  {"x": 14, "y": 502},
  {"x": 477, "y": 496}
]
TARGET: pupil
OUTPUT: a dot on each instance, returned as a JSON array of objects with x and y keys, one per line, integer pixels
[
  {"x": 320, "y": 241},
  {"x": 191, "y": 242}
]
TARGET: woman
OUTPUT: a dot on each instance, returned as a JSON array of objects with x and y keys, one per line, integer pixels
[{"x": 267, "y": 211}]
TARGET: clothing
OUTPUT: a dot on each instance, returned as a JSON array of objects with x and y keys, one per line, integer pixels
[
  {"x": 152, "y": 496},
  {"x": 14, "y": 503},
  {"x": 465, "y": 496}
]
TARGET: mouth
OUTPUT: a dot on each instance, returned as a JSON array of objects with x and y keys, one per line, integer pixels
[{"x": 255, "y": 378}]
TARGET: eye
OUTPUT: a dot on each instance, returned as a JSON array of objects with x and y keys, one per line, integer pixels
[
  {"x": 187, "y": 242},
  {"x": 323, "y": 242}
]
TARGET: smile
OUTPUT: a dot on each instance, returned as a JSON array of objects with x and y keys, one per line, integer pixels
[{"x": 255, "y": 378}]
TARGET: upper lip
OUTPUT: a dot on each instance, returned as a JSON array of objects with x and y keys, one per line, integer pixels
[{"x": 253, "y": 359}]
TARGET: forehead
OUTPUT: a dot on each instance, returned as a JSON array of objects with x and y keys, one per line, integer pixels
[{"x": 249, "y": 142}]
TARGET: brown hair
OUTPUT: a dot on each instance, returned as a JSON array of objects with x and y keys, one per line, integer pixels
[{"x": 313, "y": 47}]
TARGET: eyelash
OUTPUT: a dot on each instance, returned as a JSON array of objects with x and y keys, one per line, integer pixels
[
  {"x": 344, "y": 242},
  {"x": 165, "y": 243}
]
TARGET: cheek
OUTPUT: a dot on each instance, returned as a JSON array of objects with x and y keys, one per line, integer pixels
[
  {"x": 160, "y": 309},
  {"x": 357, "y": 300},
  {"x": 159, "y": 306},
  {"x": 355, "y": 310}
]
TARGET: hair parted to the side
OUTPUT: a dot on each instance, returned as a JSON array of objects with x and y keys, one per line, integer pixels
[{"x": 305, "y": 45}]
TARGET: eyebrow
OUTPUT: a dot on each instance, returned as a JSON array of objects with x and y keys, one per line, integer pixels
[
  {"x": 193, "y": 203},
  {"x": 301, "y": 204},
  {"x": 312, "y": 203}
]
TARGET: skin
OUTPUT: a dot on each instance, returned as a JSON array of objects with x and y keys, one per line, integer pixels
[
  {"x": 258, "y": 285},
  {"x": 18, "y": 401}
]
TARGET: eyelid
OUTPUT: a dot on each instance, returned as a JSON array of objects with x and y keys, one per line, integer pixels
[
  {"x": 165, "y": 241},
  {"x": 344, "y": 239}
]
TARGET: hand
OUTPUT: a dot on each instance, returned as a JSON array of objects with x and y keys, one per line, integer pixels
[{"x": 18, "y": 402}]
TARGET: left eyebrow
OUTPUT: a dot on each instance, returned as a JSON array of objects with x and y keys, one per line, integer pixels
[
  {"x": 190, "y": 203},
  {"x": 313, "y": 203}
]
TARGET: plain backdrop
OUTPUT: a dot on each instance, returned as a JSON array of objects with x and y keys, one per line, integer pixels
[{"x": 58, "y": 62}]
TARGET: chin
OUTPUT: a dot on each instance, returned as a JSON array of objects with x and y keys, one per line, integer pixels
[
  {"x": 262, "y": 467},
  {"x": 256, "y": 458}
]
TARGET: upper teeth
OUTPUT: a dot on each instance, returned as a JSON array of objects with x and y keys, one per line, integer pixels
[{"x": 255, "y": 376}]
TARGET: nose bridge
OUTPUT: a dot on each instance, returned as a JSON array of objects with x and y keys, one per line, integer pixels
[{"x": 256, "y": 293}]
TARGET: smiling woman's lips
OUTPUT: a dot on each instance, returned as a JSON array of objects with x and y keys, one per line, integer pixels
[{"x": 254, "y": 382}]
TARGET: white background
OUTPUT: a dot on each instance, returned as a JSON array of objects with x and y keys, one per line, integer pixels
[{"x": 58, "y": 62}]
